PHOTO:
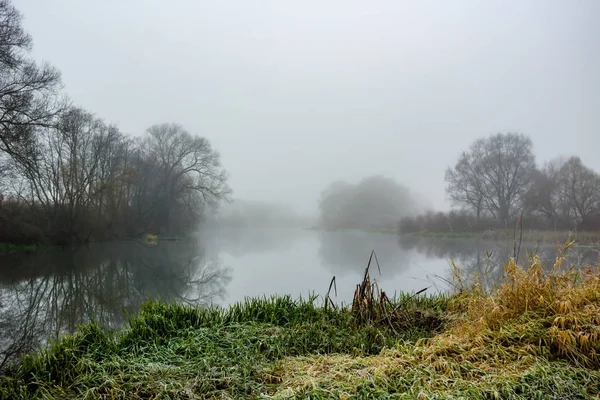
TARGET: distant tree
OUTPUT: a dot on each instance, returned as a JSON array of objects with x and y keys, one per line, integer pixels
[
  {"x": 375, "y": 201},
  {"x": 566, "y": 192},
  {"x": 379, "y": 201},
  {"x": 333, "y": 202},
  {"x": 465, "y": 186},
  {"x": 182, "y": 174},
  {"x": 494, "y": 175},
  {"x": 28, "y": 92},
  {"x": 544, "y": 197},
  {"x": 579, "y": 189}
]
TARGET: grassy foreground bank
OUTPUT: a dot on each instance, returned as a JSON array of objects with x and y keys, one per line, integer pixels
[{"x": 536, "y": 336}]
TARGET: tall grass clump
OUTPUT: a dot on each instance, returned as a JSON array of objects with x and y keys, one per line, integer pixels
[
  {"x": 408, "y": 312},
  {"x": 555, "y": 313}
]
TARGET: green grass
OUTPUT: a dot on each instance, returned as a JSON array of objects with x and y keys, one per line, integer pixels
[{"x": 183, "y": 352}]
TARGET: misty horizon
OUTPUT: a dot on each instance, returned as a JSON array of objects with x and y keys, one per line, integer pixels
[{"x": 294, "y": 97}]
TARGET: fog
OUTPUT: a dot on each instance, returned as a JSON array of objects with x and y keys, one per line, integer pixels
[
  {"x": 239, "y": 213},
  {"x": 296, "y": 96}
]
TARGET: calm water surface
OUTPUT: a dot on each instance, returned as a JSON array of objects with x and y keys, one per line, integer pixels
[{"x": 43, "y": 295}]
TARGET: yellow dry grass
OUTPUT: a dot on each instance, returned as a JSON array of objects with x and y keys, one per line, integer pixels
[
  {"x": 533, "y": 318},
  {"x": 560, "y": 309}
]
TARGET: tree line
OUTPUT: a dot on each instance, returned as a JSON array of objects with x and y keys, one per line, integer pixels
[
  {"x": 497, "y": 182},
  {"x": 68, "y": 176}
]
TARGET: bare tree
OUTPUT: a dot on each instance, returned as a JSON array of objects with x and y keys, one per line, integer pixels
[
  {"x": 70, "y": 176},
  {"x": 81, "y": 177},
  {"x": 544, "y": 196},
  {"x": 6, "y": 173},
  {"x": 496, "y": 170},
  {"x": 579, "y": 188},
  {"x": 465, "y": 186},
  {"x": 187, "y": 175},
  {"x": 28, "y": 92}
]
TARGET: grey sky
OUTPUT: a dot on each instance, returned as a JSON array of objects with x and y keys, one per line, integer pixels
[{"x": 297, "y": 94}]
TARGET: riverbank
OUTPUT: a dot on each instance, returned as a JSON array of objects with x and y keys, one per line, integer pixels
[
  {"x": 16, "y": 249},
  {"x": 585, "y": 238},
  {"x": 530, "y": 236},
  {"x": 443, "y": 235},
  {"x": 10, "y": 248},
  {"x": 536, "y": 336}
]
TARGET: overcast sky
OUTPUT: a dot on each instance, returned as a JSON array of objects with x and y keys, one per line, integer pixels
[{"x": 296, "y": 94}]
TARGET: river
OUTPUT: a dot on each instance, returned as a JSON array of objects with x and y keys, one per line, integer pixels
[{"x": 45, "y": 294}]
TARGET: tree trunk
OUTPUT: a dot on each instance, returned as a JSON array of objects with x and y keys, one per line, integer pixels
[{"x": 503, "y": 213}]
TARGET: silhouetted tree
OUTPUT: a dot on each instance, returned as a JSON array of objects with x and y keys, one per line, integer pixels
[
  {"x": 565, "y": 192},
  {"x": 69, "y": 176},
  {"x": 465, "y": 186},
  {"x": 28, "y": 92},
  {"x": 579, "y": 189},
  {"x": 495, "y": 172},
  {"x": 544, "y": 196},
  {"x": 186, "y": 176}
]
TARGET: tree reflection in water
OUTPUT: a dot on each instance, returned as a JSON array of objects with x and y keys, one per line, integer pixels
[
  {"x": 345, "y": 252},
  {"x": 485, "y": 260},
  {"x": 44, "y": 295}
]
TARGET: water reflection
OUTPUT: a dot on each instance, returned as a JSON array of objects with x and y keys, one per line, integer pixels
[
  {"x": 241, "y": 242},
  {"x": 348, "y": 252},
  {"x": 46, "y": 294},
  {"x": 486, "y": 259}
]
